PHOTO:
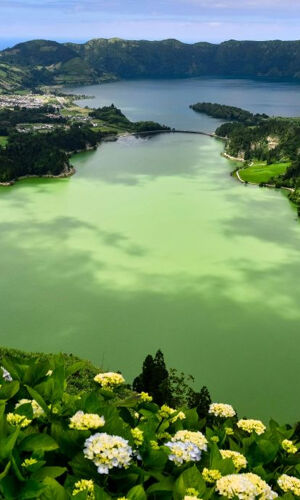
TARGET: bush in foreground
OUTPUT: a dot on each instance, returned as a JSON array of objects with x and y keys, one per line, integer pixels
[{"x": 111, "y": 442}]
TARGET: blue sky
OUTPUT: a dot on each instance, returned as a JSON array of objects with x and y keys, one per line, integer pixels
[{"x": 186, "y": 20}]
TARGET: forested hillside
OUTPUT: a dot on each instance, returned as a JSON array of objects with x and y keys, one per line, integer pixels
[{"x": 49, "y": 62}]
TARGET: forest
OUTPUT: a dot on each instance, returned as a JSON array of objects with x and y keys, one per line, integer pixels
[{"x": 228, "y": 112}]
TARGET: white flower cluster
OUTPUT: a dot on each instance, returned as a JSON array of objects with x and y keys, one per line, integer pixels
[
  {"x": 109, "y": 379},
  {"x": 250, "y": 425},
  {"x": 289, "y": 484},
  {"x": 247, "y": 486},
  {"x": 221, "y": 410},
  {"x": 186, "y": 446},
  {"x": 36, "y": 408},
  {"x": 108, "y": 451},
  {"x": 239, "y": 461},
  {"x": 85, "y": 421},
  {"x": 6, "y": 375}
]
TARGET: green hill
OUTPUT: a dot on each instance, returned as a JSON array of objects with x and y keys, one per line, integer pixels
[{"x": 100, "y": 59}]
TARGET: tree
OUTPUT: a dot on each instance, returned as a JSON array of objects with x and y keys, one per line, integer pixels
[
  {"x": 201, "y": 401},
  {"x": 154, "y": 379},
  {"x": 170, "y": 387}
]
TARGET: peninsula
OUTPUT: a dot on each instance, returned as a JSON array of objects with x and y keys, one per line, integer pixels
[{"x": 268, "y": 147}]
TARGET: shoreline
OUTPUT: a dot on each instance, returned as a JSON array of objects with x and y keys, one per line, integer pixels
[
  {"x": 236, "y": 174},
  {"x": 62, "y": 175}
]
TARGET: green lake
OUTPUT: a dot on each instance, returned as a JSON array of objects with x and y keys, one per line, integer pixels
[{"x": 152, "y": 244}]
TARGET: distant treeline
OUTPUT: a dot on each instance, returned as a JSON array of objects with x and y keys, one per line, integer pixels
[{"x": 228, "y": 112}]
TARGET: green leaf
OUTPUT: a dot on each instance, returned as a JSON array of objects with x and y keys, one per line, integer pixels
[
  {"x": 137, "y": 493},
  {"x": 9, "y": 389},
  {"x": 53, "y": 491},
  {"x": 155, "y": 459},
  {"x": 100, "y": 494},
  {"x": 38, "y": 442},
  {"x": 32, "y": 489},
  {"x": 215, "y": 457},
  {"x": 39, "y": 399},
  {"x": 264, "y": 452},
  {"x": 12, "y": 367},
  {"x": 191, "y": 419},
  {"x": 166, "y": 484},
  {"x": 75, "y": 367},
  {"x": 4, "y": 473},
  {"x": 25, "y": 410},
  {"x": 48, "y": 471},
  {"x": 190, "y": 478},
  {"x": 8, "y": 443}
]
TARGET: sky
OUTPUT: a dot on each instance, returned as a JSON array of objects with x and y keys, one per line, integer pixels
[{"x": 186, "y": 20}]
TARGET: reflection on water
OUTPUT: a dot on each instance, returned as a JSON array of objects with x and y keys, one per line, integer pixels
[{"x": 152, "y": 244}]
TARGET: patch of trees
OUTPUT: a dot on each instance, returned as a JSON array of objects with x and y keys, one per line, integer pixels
[
  {"x": 253, "y": 141},
  {"x": 228, "y": 112},
  {"x": 30, "y": 154},
  {"x": 43, "y": 154},
  {"x": 114, "y": 116},
  {"x": 170, "y": 387}
]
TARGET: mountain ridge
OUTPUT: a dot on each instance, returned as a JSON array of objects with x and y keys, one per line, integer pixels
[{"x": 46, "y": 62}]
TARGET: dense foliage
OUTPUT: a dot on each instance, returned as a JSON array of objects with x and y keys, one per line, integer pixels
[
  {"x": 110, "y": 442},
  {"x": 114, "y": 116},
  {"x": 41, "y": 61},
  {"x": 228, "y": 112},
  {"x": 9, "y": 118},
  {"x": 272, "y": 140},
  {"x": 43, "y": 154}
]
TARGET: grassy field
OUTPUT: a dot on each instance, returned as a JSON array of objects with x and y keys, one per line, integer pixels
[
  {"x": 261, "y": 172},
  {"x": 3, "y": 140}
]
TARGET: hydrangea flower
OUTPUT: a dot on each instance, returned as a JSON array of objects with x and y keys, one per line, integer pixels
[
  {"x": 109, "y": 379},
  {"x": 6, "y": 375},
  {"x": 221, "y": 410},
  {"x": 108, "y": 451},
  {"x": 211, "y": 475},
  {"x": 86, "y": 485},
  {"x": 154, "y": 445},
  {"x": 289, "y": 484},
  {"x": 18, "y": 420},
  {"x": 84, "y": 421},
  {"x": 36, "y": 408},
  {"x": 166, "y": 412},
  {"x": 28, "y": 462},
  {"x": 145, "y": 397},
  {"x": 250, "y": 425},
  {"x": 247, "y": 486},
  {"x": 239, "y": 461},
  {"x": 138, "y": 436},
  {"x": 186, "y": 446},
  {"x": 289, "y": 446}
]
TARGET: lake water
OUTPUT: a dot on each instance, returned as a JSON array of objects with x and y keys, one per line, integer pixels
[{"x": 153, "y": 245}]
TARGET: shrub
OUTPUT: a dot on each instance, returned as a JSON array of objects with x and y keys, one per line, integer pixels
[{"x": 110, "y": 442}]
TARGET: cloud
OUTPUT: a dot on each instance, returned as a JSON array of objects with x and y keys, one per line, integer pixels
[{"x": 187, "y": 20}]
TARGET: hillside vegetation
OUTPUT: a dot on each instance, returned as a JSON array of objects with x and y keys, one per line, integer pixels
[
  {"x": 108, "y": 441},
  {"x": 228, "y": 112},
  {"x": 43, "y": 62},
  {"x": 270, "y": 149},
  {"x": 39, "y": 141}
]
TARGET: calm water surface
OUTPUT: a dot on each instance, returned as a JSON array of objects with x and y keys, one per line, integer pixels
[{"x": 152, "y": 244}]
